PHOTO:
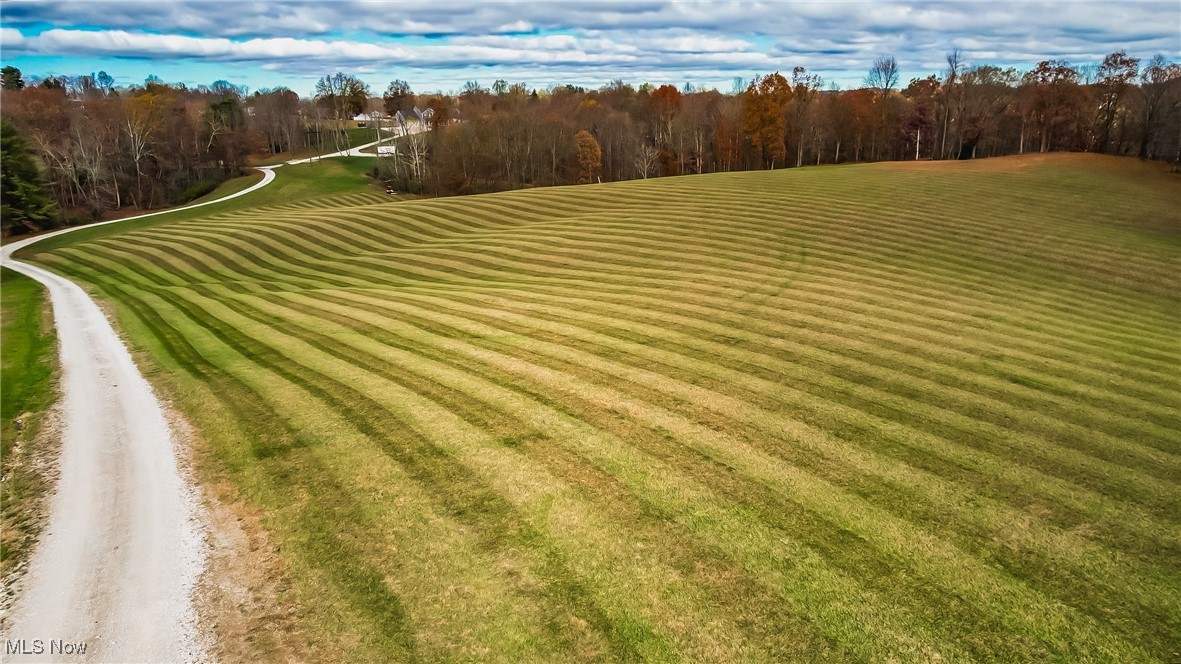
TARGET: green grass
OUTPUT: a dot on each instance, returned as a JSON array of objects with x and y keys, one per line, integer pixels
[
  {"x": 297, "y": 183},
  {"x": 355, "y": 137},
  {"x": 888, "y": 412},
  {"x": 330, "y": 177},
  {"x": 27, "y": 353},
  {"x": 26, "y": 391}
]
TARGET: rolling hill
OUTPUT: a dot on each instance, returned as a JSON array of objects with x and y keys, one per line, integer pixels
[{"x": 895, "y": 411}]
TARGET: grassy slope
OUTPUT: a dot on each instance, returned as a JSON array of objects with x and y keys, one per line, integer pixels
[
  {"x": 821, "y": 414},
  {"x": 26, "y": 390},
  {"x": 26, "y": 355},
  {"x": 297, "y": 183},
  {"x": 355, "y": 137}
]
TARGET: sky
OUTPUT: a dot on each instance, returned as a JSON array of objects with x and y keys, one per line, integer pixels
[{"x": 441, "y": 44}]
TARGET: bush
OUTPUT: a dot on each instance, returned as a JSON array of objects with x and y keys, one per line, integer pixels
[{"x": 197, "y": 190}]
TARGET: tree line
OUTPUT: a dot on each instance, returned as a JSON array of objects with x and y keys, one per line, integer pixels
[
  {"x": 104, "y": 148},
  {"x": 509, "y": 137}
]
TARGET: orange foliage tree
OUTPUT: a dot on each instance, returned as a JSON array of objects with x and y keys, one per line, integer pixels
[{"x": 590, "y": 157}]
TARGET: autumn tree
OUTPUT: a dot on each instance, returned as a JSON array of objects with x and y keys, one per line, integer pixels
[
  {"x": 665, "y": 103},
  {"x": 141, "y": 119},
  {"x": 918, "y": 124},
  {"x": 276, "y": 116},
  {"x": 1054, "y": 94},
  {"x": 153, "y": 144},
  {"x": 805, "y": 88},
  {"x": 764, "y": 105},
  {"x": 1160, "y": 98},
  {"x": 440, "y": 113},
  {"x": 923, "y": 95},
  {"x": 727, "y": 141},
  {"x": 590, "y": 157},
  {"x": 1116, "y": 73},
  {"x": 882, "y": 78},
  {"x": 694, "y": 130},
  {"x": 986, "y": 95},
  {"x": 344, "y": 96}
]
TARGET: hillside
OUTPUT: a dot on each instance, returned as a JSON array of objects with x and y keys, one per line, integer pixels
[{"x": 899, "y": 411}]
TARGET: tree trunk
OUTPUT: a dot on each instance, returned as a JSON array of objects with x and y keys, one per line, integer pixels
[{"x": 943, "y": 149}]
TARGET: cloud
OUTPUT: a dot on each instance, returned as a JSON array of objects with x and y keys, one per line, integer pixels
[
  {"x": 463, "y": 17},
  {"x": 684, "y": 52},
  {"x": 596, "y": 39},
  {"x": 11, "y": 38}
]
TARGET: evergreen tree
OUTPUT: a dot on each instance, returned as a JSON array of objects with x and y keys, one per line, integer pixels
[
  {"x": 10, "y": 78},
  {"x": 25, "y": 205}
]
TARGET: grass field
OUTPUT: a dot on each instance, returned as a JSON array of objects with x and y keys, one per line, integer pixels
[
  {"x": 354, "y": 138},
  {"x": 297, "y": 183},
  {"x": 26, "y": 391},
  {"x": 894, "y": 412}
]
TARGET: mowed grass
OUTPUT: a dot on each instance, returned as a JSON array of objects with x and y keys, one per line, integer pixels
[
  {"x": 354, "y": 137},
  {"x": 26, "y": 391},
  {"x": 896, "y": 412},
  {"x": 339, "y": 175}
]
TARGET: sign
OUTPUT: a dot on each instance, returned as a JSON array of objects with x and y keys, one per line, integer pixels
[{"x": 387, "y": 149}]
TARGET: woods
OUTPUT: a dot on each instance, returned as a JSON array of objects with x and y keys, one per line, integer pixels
[
  {"x": 104, "y": 148},
  {"x": 509, "y": 137},
  {"x": 147, "y": 146}
]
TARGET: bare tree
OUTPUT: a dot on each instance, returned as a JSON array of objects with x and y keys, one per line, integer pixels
[
  {"x": 882, "y": 78},
  {"x": 883, "y": 75},
  {"x": 345, "y": 96},
  {"x": 955, "y": 64},
  {"x": 805, "y": 87},
  {"x": 647, "y": 158}
]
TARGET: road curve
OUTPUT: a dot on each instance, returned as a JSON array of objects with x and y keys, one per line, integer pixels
[
  {"x": 117, "y": 563},
  {"x": 123, "y": 548}
]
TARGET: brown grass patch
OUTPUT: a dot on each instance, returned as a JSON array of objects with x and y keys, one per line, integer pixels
[{"x": 243, "y": 597}]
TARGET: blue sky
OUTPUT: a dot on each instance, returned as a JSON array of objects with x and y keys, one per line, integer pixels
[{"x": 439, "y": 45}]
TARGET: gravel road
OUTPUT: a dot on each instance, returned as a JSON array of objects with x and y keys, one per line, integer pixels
[{"x": 115, "y": 567}]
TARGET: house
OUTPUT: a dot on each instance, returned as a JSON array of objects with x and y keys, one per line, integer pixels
[{"x": 424, "y": 114}]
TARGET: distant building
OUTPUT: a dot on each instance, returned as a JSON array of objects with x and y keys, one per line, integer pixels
[{"x": 424, "y": 114}]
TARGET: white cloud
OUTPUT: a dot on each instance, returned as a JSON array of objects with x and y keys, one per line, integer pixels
[
  {"x": 589, "y": 38},
  {"x": 775, "y": 19},
  {"x": 11, "y": 38},
  {"x": 549, "y": 50}
]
